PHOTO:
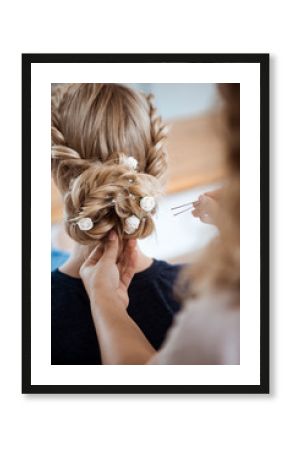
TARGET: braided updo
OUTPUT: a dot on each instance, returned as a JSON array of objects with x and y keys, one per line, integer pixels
[{"x": 108, "y": 155}]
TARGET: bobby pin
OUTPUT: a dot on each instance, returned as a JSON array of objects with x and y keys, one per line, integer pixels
[
  {"x": 190, "y": 204},
  {"x": 185, "y": 210},
  {"x": 181, "y": 206}
]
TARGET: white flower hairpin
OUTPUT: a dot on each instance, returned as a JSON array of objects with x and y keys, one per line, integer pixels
[
  {"x": 85, "y": 224},
  {"x": 147, "y": 203},
  {"x": 128, "y": 161},
  {"x": 131, "y": 224}
]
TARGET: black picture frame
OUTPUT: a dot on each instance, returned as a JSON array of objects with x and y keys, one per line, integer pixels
[{"x": 263, "y": 61}]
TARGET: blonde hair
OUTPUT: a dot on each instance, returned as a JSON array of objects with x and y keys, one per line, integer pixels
[
  {"x": 93, "y": 127},
  {"x": 217, "y": 267}
]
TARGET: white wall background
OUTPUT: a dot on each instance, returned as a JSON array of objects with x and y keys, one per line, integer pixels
[
  {"x": 184, "y": 233},
  {"x": 143, "y": 422},
  {"x": 175, "y": 101}
]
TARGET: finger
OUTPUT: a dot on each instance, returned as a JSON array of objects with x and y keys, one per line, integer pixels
[
  {"x": 206, "y": 218},
  {"x": 111, "y": 248},
  {"x": 128, "y": 250},
  {"x": 206, "y": 200},
  {"x": 93, "y": 257},
  {"x": 125, "y": 255},
  {"x": 132, "y": 244},
  {"x": 203, "y": 199},
  {"x": 203, "y": 212},
  {"x": 196, "y": 212},
  {"x": 128, "y": 247},
  {"x": 130, "y": 268},
  {"x": 129, "y": 259},
  {"x": 122, "y": 252},
  {"x": 210, "y": 206},
  {"x": 214, "y": 194},
  {"x": 121, "y": 257}
]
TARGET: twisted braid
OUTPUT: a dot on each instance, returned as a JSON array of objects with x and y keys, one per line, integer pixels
[
  {"x": 57, "y": 98},
  {"x": 156, "y": 164},
  {"x": 92, "y": 126},
  {"x": 66, "y": 163}
]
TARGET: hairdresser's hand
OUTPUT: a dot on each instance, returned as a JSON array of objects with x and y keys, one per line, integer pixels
[
  {"x": 207, "y": 207},
  {"x": 107, "y": 280}
]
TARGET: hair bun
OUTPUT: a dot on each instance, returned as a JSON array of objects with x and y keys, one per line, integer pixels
[{"x": 109, "y": 196}]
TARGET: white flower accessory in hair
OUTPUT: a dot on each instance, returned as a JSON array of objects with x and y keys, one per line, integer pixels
[
  {"x": 128, "y": 161},
  {"x": 147, "y": 203},
  {"x": 131, "y": 224},
  {"x": 85, "y": 224}
]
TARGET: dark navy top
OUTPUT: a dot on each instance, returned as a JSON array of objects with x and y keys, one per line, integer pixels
[{"x": 151, "y": 305}]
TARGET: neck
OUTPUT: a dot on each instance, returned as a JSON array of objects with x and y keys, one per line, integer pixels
[{"x": 80, "y": 252}]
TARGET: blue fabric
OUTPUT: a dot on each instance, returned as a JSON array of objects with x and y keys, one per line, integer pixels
[
  {"x": 151, "y": 305},
  {"x": 58, "y": 258}
]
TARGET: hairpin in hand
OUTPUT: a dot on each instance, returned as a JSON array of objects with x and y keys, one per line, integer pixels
[{"x": 185, "y": 207}]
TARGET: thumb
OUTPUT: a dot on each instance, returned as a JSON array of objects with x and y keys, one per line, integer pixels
[
  {"x": 91, "y": 260},
  {"x": 111, "y": 248},
  {"x": 93, "y": 257}
]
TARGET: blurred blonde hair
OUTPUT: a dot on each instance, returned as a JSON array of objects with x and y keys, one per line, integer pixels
[
  {"x": 92, "y": 126},
  {"x": 217, "y": 267}
]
